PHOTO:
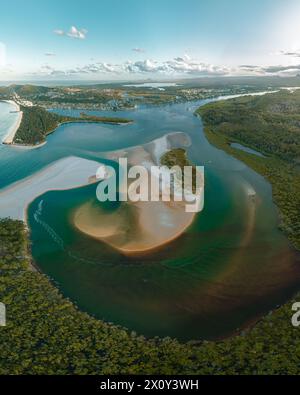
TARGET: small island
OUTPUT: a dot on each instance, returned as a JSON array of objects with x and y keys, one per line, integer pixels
[{"x": 178, "y": 157}]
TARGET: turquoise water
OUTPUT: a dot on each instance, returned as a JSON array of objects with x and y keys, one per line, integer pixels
[{"x": 231, "y": 266}]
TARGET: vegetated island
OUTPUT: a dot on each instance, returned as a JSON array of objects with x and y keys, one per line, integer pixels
[
  {"x": 269, "y": 124},
  {"x": 178, "y": 157},
  {"x": 37, "y": 123}
]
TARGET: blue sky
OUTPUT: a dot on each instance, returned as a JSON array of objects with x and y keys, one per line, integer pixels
[{"x": 138, "y": 39}]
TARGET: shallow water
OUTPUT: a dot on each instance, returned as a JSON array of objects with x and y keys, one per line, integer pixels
[
  {"x": 231, "y": 266},
  {"x": 247, "y": 149}
]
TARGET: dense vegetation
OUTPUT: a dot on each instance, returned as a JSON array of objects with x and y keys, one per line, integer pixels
[
  {"x": 175, "y": 157},
  {"x": 37, "y": 123},
  {"x": 47, "y": 334},
  {"x": 93, "y": 118},
  {"x": 270, "y": 124},
  {"x": 178, "y": 157}
]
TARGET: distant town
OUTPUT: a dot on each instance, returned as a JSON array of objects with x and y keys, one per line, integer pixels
[{"x": 117, "y": 96}]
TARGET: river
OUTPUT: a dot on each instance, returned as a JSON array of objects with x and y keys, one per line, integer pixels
[{"x": 231, "y": 266}]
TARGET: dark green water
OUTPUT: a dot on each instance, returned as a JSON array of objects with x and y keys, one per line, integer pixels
[{"x": 231, "y": 266}]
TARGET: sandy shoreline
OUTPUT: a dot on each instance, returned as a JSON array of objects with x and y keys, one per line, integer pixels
[
  {"x": 9, "y": 138},
  {"x": 28, "y": 147},
  {"x": 64, "y": 174}
]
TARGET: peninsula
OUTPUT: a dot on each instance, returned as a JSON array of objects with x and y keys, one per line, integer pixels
[{"x": 35, "y": 123}]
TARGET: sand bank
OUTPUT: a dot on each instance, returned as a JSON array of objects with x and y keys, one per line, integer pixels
[
  {"x": 67, "y": 173},
  {"x": 138, "y": 228},
  {"x": 151, "y": 151},
  {"x": 9, "y": 138}
]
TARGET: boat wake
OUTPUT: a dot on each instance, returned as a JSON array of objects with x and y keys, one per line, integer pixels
[{"x": 37, "y": 217}]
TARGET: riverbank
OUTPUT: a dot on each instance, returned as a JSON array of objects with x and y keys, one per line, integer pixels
[
  {"x": 277, "y": 161},
  {"x": 31, "y": 294},
  {"x": 9, "y": 138}
]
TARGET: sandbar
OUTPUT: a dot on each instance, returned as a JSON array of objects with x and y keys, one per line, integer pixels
[
  {"x": 138, "y": 228},
  {"x": 68, "y": 173}
]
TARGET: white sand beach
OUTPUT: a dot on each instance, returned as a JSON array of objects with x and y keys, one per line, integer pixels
[
  {"x": 28, "y": 147},
  {"x": 9, "y": 138},
  {"x": 67, "y": 173}
]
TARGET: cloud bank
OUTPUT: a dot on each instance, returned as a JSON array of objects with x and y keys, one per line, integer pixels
[
  {"x": 177, "y": 66},
  {"x": 295, "y": 54},
  {"x": 277, "y": 70}
]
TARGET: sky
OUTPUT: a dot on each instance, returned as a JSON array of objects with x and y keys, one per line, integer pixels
[{"x": 142, "y": 39}]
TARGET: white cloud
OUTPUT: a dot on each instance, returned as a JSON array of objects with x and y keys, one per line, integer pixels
[
  {"x": 46, "y": 67},
  {"x": 176, "y": 67},
  {"x": 77, "y": 33},
  {"x": 291, "y": 70},
  {"x": 277, "y": 70},
  {"x": 144, "y": 66},
  {"x": 189, "y": 66},
  {"x": 179, "y": 65},
  {"x": 95, "y": 68},
  {"x": 98, "y": 68},
  {"x": 59, "y": 32},
  {"x": 73, "y": 33},
  {"x": 138, "y": 50},
  {"x": 50, "y": 54},
  {"x": 295, "y": 54}
]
